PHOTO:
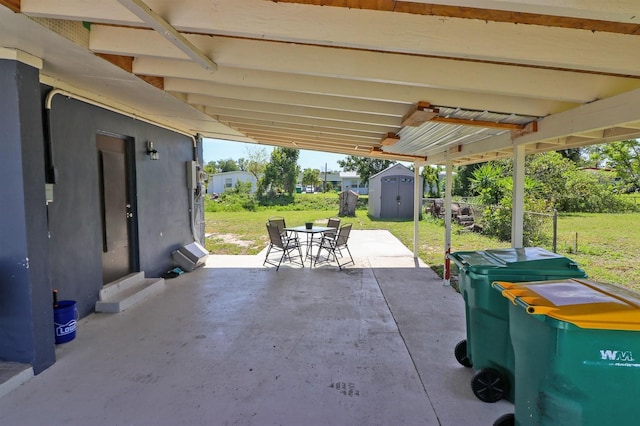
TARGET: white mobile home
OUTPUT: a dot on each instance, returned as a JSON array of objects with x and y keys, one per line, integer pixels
[{"x": 220, "y": 182}]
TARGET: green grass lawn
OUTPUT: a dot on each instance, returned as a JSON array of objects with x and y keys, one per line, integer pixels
[{"x": 608, "y": 244}]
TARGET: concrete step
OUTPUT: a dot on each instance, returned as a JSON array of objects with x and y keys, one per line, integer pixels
[
  {"x": 12, "y": 375},
  {"x": 127, "y": 291}
]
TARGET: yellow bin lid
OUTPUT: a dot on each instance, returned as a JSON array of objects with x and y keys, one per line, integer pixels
[{"x": 581, "y": 302}]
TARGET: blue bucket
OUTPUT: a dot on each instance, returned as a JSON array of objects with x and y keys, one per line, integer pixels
[{"x": 64, "y": 321}]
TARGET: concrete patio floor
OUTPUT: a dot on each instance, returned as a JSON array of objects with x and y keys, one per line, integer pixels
[{"x": 236, "y": 343}]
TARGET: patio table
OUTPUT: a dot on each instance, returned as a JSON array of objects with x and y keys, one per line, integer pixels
[{"x": 310, "y": 232}]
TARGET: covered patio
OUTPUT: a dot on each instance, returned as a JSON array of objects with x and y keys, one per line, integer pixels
[
  {"x": 238, "y": 343},
  {"x": 117, "y": 97}
]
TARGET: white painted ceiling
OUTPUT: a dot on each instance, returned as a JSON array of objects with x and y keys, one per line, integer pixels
[{"x": 340, "y": 75}]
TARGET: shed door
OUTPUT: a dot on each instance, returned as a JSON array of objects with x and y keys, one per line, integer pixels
[
  {"x": 396, "y": 197},
  {"x": 115, "y": 207},
  {"x": 405, "y": 196}
]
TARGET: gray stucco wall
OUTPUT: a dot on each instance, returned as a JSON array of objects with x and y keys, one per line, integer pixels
[
  {"x": 26, "y": 312},
  {"x": 162, "y": 198}
]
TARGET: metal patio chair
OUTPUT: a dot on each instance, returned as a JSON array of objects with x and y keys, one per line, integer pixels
[
  {"x": 282, "y": 247},
  {"x": 333, "y": 222},
  {"x": 335, "y": 244},
  {"x": 280, "y": 223}
]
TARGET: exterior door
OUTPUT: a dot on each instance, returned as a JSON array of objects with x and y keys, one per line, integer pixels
[
  {"x": 405, "y": 196},
  {"x": 388, "y": 197},
  {"x": 115, "y": 207},
  {"x": 396, "y": 197}
]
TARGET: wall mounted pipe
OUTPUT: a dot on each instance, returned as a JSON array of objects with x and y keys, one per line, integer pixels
[{"x": 81, "y": 98}]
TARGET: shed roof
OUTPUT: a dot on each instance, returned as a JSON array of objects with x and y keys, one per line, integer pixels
[{"x": 393, "y": 169}]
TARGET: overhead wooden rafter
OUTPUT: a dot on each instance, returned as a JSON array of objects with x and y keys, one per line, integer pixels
[
  {"x": 478, "y": 123},
  {"x": 162, "y": 27},
  {"x": 494, "y": 15},
  {"x": 419, "y": 114},
  {"x": 126, "y": 63},
  {"x": 390, "y": 139},
  {"x": 13, "y": 5},
  {"x": 423, "y": 112},
  {"x": 378, "y": 152},
  {"x": 121, "y": 61}
]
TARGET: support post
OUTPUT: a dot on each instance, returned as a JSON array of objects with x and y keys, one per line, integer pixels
[
  {"x": 417, "y": 205},
  {"x": 517, "y": 212},
  {"x": 447, "y": 220}
]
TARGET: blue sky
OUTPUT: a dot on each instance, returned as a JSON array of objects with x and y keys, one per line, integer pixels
[{"x": 215, "y": 149}]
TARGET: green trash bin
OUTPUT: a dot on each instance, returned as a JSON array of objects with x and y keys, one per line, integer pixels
[
  {"x": 577, "y": 352},
  {"x": 487, "y": 346}
]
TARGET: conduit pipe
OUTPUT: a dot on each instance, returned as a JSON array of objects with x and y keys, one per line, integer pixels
[{"x": 84, "y": 99}]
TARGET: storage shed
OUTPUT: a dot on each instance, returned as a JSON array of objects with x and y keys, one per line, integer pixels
[{"x": 391, "y": 193}]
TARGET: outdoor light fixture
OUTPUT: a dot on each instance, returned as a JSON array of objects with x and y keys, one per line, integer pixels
[{"x": 152, "y": 152}]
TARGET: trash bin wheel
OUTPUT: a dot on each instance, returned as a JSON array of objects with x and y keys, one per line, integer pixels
[
  {"x": 489, "y": 385},
  {"x": 505, "y": 420},
  {"x": 461, "y": 353}
]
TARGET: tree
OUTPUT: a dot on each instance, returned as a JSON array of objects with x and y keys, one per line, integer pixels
[
  {"x": 594, "y": 156},
  {"x": 565, "y": 187},
  {"x": 228, "y": 165},
  {"x": 311, "y": 177},
  {"x": 431, "y": 180},
  {"x": 551, "y": 170},
  {"x": 489, "y": 182},
  {"x": 461, "y": 179},
  {"x": 256, "y": 162},
  {"x": 624, "y": 158},
  {"x": 242, "y": 164},
  {"x": 573, "y": 154},
  {"x": 211, "y": 167},
  {"x": 365, "y": 167},
  {"x": 281, "y": 173}
]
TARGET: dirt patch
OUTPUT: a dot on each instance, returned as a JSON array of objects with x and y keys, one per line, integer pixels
[{"x": 230, "y": 239}]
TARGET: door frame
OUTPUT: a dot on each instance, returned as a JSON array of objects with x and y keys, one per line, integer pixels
[{"x": 131, "y": 191}]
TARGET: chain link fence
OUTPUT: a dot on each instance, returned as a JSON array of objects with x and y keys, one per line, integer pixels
[{"x": 540, "y": 229}]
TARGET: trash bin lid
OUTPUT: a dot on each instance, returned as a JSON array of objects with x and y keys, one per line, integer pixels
[
  {"x": 536, "y": 260},
  {"x": 583, "y": 303},
  {"x": 475, "y": 258}
]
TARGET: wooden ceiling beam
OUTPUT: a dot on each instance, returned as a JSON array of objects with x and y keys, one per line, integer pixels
[
  {"x": 247, "y": 127},
  {"x": 489, "y": 15},
  {"x": 121, "y": 61},
  {"x": 378, "y": 152},
  {"x": 13, "y": 5},
  {"x": 153, "y": 80},
  {"x": 237, "y": 121},
  {"x": 390, "y": 139},
  {"x": 478, "y": 123},
  {"x": 419, "y": 114},
  {"x": 621, "y": 132},
  {"x": 302, "y": 137},
  {"x": 169, "y": 33}
]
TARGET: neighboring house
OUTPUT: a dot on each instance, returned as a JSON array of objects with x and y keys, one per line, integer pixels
[
  {"x": 391, "y": 193},
  {"x": 342, "y": 181},
  {"x": 604, "y": 175},
  {"x": 220, "y": 182},
  {"x": 350, "y": 181}
]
